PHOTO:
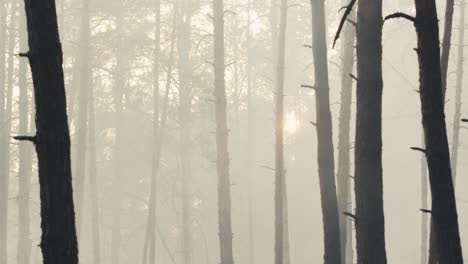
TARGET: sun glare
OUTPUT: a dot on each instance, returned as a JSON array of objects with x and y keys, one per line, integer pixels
[{"x": 291, "y": 123}]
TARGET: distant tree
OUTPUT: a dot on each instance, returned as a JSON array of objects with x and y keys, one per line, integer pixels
[
  {"x": 344, "y": 143},
  {"x": 52, "y": 140},
  {"x": 222, "y": 164},
  {"x": 326, "y": 162}
]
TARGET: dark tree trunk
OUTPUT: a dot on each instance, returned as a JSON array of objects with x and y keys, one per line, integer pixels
[
  {"x": 224, "y": 185},
  {"x": 326, "y": 166},
  {"x": 344, "y": 144},
  {"x": 25, "y": 154},
  {"x": 52, "y": 140},
  {"x": 446, "y": 40},
  {"x": 370, "y": 223},
  {"x": 424, "y": 216},
  {"x": 444, "y": 212}
]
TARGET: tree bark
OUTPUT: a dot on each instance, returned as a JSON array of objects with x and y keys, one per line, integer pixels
[
  {"x": 424, "y": 216},
  {"x": 222, "y": 164},
  {"x": 344, "y": 144},
  {"x": 370, "y": 222},
  {"x": 52, "y": 140},
  {"x": 444, "y": 211},
  {"x": 326, "y": 167}
]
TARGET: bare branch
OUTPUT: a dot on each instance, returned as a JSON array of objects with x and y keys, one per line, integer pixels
[
  {"x": 418, "y": 149},
  {"x": 25, "y": 138},
  {"x": 308, "y": 46},
  {"x": 23, "y": 54},
  {"x": 308, "y": 86},
  {"x": 313, "y": 123},
  {"x": 343, "y": 19},
  {"x": 400, "y": 15},
  {"x": 352, "y": 22},
  {"x": 427, "y": 211},
  {"x": 353, "y": 77},
  {"x": 464, "y": 120},
  {"x": 353, "y": 216}
]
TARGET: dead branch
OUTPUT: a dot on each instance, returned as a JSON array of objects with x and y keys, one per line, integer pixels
[
  {"x": 400, "y": 15},
  {"x": 343, "y": 19}
]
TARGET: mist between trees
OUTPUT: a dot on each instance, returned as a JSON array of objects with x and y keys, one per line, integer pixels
[{"x": 233, "y": 131}]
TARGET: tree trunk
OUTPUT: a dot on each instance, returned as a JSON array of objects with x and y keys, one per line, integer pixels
[
  {"x": 25, "y": 154},
  {"x": 82, "y": 121},
  {"x": 444, "y": 58},
  {"x": 4, "y": 170},
  {"x": 224, "y": 185},
  {"x": 424, "y": 216},
  {"x": 92, "y": 179},
  {"x": 370, "y": 223},
  {"x": 119, "y": 86},
  {"x": 444, "y": 212},
  {"x": 185, "y": 90},
  {"x": 344, "y": 144},
  {"x": 280, "y": 181},
  {"x": 457, "y": 115},
  {"x": 250, "y": 123},
  {"x": 52, "y": 140},
  {"x": 326, "y": 168}
]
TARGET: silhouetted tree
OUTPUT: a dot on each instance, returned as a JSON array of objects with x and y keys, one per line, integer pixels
[{"x": 52, "y": 140}]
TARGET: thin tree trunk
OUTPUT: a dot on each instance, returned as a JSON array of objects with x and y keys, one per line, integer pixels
[
  {"x": 444, "y": 212},
  {"x": 25, "y": 154},
  {"x": 119, "y": 86},
  {"x": 250, "y": 123},
  {"x": 344, "y": 144},
  {"x": 185, "y": 90},
  {"x": 82, "y": 122},
  {"x": 457, "y": 115},
  {"x": 326, "y": 167},
  {"x": 4, "y": 170},
  {"x": 96, "y": 235},
  {"x": 224, "y": 185},
  {"x": 444, "y": 57},
  {"x": 280, "y": 182},
  {"x": 370, "y": 222},
  {"x": 52, "y": 140}
]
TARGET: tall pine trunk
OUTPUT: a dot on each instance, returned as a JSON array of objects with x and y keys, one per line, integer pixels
[
  {"x": 446, "y": 43},
  {"x": 344, "y": 144},
  {"x": 222, "y": 163},
  {"x": 444, "y": 222},
  {"x": 368, "y": 186},
  {"x": 326, "y": 166},
  {"x": 52, "y": 139}
]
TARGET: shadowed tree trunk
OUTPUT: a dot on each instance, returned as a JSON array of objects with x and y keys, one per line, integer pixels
[
  {"x": 25, "y": 153},
  {"x": 458, "y": 93},
  {"x": 82, "y": 120},
  {"x": 222, "y": 164},
  {"x": 424, "y": 216},
  {"x": 52, "y": 140},
  {"x": 344, "y": 144},
  {"x": 370, "y": 223},
  {"x": 445, "y": 238},
  {"x": 326, "y": 167}
]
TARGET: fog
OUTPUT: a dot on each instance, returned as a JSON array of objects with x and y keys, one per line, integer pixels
[{"x": 123, "y": 136}]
